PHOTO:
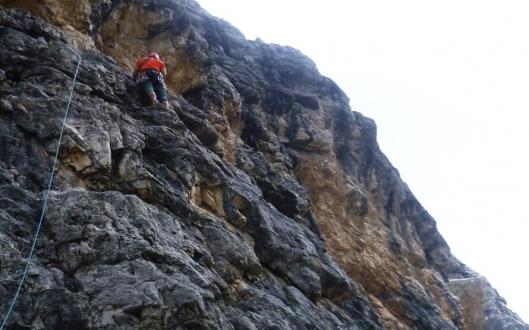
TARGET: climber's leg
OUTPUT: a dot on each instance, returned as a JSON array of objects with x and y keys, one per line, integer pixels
[
  {"x": 159, "y": 88},
  {"x": 148, "y": 88},
  {"x": 152, "y": 98}
]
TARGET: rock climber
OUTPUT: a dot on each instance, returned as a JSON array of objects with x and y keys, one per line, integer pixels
[{"x": 149, "y": 74}]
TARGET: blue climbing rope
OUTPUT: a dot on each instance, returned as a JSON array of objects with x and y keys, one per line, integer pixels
[{"x": 45, "y": 207}]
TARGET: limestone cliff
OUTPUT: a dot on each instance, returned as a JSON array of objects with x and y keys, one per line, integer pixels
[{"x": 259, "y": 201}]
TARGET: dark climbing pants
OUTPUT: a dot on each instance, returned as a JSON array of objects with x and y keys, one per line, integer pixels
[{"x": 153, "y": 84}]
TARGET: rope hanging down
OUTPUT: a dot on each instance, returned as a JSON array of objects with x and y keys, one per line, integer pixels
[{"x": 45, "y": 206}]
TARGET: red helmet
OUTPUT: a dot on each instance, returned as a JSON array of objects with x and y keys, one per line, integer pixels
[{"x": 154, "y": 55}]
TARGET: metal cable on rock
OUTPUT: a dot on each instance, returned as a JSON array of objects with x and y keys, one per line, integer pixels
[{"x": 45, "y": 206}]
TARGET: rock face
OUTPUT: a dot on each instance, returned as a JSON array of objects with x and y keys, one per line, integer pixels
[
  {"x": 480, "y": 305},
  {"x": 260, "y": 201}
]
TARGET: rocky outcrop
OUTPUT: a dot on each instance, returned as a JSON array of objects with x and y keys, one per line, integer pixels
[
  {"x": 260, "y": 201},
  {"x": 481, "y": 307}
]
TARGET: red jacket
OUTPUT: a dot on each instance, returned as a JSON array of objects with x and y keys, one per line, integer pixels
[{"x": 149, "y": 63}]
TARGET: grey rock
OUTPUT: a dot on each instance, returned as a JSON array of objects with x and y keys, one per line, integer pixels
[{"x": 6, "y": 106}]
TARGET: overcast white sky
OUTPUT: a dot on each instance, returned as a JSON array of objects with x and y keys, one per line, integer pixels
[{"x": 447, "y": 83}]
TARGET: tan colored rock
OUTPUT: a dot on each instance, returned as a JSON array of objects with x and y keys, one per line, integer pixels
[
  {"x": 71, "y": 15},
  {"x": 61, "y": 13},
  {"x": 78, "y": 160},
  {"x": 482, "y": 307},
  {"x": 361, "y": 242},
  {"x": 472, "y": 299},
  {"x": 133, "y": 29},
  {"x": 232, "y": 127},
  {"x": 208, "y": 197}
]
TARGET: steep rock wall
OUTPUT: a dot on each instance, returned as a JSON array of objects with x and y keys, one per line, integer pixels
[
  {"x": 265, "y": 113},
  {"x": 146, "y": 228}
]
